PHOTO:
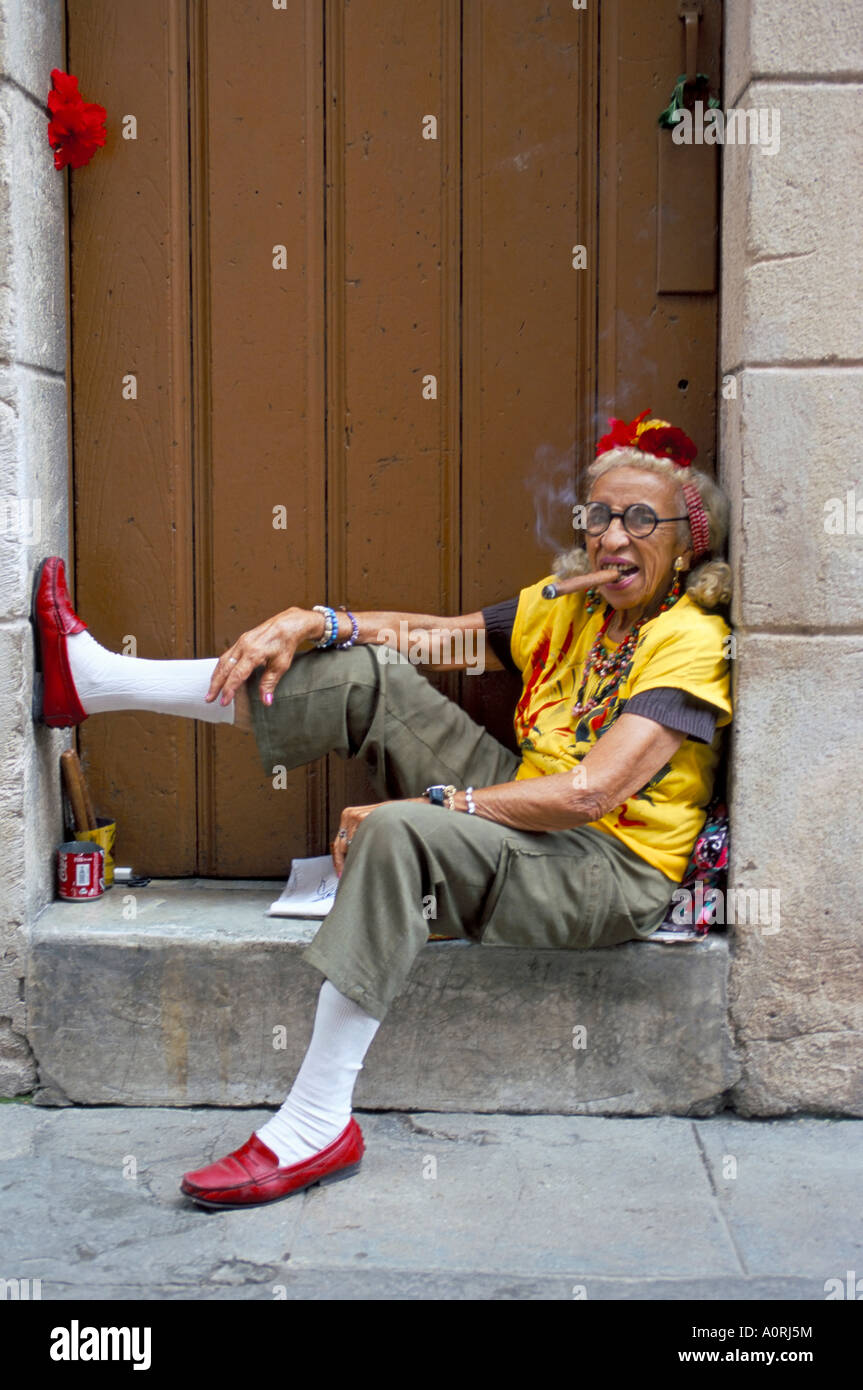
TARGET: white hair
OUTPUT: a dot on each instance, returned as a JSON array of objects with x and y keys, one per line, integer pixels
[{"x": 709, "y": 582}]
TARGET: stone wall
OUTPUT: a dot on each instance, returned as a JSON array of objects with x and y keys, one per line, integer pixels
[
  {"x": 34, "y": 519},
  {"x": 792, "y": 344}
]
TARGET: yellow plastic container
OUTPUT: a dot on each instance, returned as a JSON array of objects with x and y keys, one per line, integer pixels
[{"x": 104, "y": 835}]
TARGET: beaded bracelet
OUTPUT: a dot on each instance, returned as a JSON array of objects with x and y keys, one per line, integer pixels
[
  {"x": 355, "y": 632},
  {"x": 471, "y": 804},
  {"x": 331, "y": 625}
]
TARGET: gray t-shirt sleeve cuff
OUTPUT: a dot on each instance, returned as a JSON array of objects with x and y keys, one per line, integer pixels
[
  {"x": 677, "y": 710},
  {"x": 499, "y": 622}
]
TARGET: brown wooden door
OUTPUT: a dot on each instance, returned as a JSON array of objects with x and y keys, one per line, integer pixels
[{"x": 337, "y": 260}]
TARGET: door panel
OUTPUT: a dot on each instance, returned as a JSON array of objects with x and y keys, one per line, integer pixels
[
  {"x": 653, "y": 349},
  {"x": 529, "y": 315},
  {"x": 133, "y": 498},
  {"x": 259, "y": 389},
  {"x": 393, "y": 264}
]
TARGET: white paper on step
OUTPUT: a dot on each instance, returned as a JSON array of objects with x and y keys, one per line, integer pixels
[{"x": 310, "y": 889}]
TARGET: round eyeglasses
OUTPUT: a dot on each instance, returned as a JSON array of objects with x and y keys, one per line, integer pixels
[{"x": 639, "y": 520}]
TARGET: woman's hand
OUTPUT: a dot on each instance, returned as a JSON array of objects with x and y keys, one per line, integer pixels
[
  {"x": 273, "y": 644},
  {"x": 350, "y": 821}
]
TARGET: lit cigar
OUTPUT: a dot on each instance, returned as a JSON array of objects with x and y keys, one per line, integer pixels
[{"x": 578, "y": 582}]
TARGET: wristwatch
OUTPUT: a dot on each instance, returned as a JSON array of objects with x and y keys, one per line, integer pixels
[{"x": 439, "y": 795}]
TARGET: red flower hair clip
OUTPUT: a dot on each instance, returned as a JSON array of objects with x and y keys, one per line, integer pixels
[
  {"x": 77, "y": 127},
  {"x": 663, "y": 440},
  {"x": 651, "y": 436}
]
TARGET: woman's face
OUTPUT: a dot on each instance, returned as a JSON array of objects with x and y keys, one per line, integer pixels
[{"x": 649, "y": 560}]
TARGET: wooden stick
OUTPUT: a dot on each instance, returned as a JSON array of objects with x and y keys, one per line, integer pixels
[
  {"x": 76, "y": 790},
  {"x": 88, "y": 801}
]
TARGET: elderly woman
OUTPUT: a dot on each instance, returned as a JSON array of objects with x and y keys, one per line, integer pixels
[{"x": 578, "y": 841}]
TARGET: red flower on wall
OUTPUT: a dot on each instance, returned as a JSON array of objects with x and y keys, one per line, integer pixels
[{"x": 77, "y": 127}]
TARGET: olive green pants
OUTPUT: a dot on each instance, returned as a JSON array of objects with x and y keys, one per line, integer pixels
[{"x": 412, "y": 868}]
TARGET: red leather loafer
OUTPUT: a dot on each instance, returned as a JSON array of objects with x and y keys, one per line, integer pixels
[
  {"x": 55, "y": 699},
  {"x": 251, "y": 1176}
]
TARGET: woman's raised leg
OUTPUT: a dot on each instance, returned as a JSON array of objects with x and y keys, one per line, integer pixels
[{"x": 106, "y": 681}]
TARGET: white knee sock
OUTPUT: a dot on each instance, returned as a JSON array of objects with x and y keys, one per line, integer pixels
[
  {"x": 108, "y": 681},
  {"x": 318, "y": 1106}
]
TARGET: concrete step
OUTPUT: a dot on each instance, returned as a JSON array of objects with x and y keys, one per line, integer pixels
[{"x": 201, "y": 999}]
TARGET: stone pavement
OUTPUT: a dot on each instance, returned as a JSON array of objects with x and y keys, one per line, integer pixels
[{"x": 445, "y": 1206}]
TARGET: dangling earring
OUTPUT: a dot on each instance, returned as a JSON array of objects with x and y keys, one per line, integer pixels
[
  {"x": 592, "y": 597},
  {"x": 674, "y": 592}
]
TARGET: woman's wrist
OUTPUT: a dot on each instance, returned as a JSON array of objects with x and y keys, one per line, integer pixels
[
  {"x": 315, "y": 624},
  {"x": 312, "y": 624}
]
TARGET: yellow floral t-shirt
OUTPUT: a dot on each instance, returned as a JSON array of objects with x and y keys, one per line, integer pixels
[{"x": 684, "y": 647}]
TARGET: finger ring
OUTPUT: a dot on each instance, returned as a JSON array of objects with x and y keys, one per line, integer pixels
[
  {"x": 233, "y": 660},
  {"x": 343, "y": 835}
]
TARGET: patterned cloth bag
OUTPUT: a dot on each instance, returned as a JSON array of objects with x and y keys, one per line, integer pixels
[{"x": 690, "y": 912}]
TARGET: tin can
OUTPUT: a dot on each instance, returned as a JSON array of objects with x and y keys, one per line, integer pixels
[{"x": 80, "y": 871}]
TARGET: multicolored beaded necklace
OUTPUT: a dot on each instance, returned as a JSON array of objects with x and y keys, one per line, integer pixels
[{"x": 616, "y": 663}]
